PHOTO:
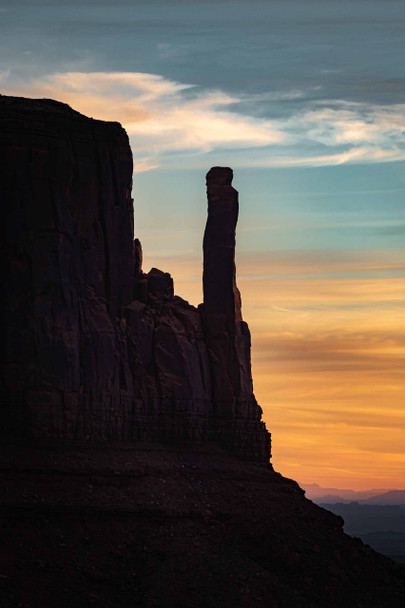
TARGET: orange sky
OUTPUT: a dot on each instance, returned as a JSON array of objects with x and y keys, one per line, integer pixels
[
  {"x": 328, "y": 358},
  {"x": 303, "y": 101},
  {"x": 328, "y": 351}
]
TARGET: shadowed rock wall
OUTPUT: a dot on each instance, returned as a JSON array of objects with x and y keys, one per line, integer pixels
[{"x": 94, "y": 348}]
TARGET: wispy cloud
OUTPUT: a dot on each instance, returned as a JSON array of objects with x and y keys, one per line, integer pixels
[
  {"x": 341, "y": 122},
  {"x": 167, "y": 119},
  {"x": 297, "y": 282},
  {"x": 364, "y": 154},
  {"x": 160, "y": 115}
]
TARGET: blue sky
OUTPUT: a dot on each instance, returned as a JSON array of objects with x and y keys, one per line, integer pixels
[{"x": 305, "y": 100}]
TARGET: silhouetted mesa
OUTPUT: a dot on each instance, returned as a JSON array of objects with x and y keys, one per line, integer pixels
[
  {"x": 95, "y": 348},
  {"x": 126, "y": 413}
]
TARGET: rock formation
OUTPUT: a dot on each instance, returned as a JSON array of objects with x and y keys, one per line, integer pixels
[
  {"x": 126, "y": 412},
  {"x": 67, "y": 248},
  {"x": 96, "y": 349},
  {"x": 237, "y": 415}
]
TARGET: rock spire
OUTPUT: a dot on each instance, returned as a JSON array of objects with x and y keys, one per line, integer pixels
[{"x": 237, "y": 414}]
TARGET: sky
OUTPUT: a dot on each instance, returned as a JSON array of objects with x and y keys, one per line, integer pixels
[{"x": 305, "y": 101}]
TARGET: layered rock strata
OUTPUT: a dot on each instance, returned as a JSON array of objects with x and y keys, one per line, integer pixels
[{"x": 96, "y": 349}]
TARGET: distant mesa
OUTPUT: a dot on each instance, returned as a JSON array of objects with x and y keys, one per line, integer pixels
[
  {"x": 315, "y": 492},
  {"x": 330, "y": 499}
]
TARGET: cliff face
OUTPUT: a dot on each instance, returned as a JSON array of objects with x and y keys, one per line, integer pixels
[
  {"x": 67, "y": 248},
  {"x": 96, "y": 349}
]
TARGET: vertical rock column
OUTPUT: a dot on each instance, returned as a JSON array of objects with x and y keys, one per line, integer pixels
[
  {"x": 237, "y": 417},
  {"x": 222, "y": 304}
]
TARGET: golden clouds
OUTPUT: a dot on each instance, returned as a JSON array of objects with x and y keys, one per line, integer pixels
[
  {"x": 159, "y": 115},
  {"x": 166, "y": 119}
]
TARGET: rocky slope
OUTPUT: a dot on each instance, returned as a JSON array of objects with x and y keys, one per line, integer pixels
[
  {"x": 128, "y": 416},
  {"x": 131, "y": 527}
]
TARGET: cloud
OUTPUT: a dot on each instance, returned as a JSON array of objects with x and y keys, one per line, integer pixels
[
  {"x": 171, "y": 122},
  {"x": 357, "y": 155},
  {"x": 341, "y": 122},
  {"x": 159, "y": 115},
  {"x": 315, "y": 264},
  {"x": 334, "y": 350},
  {"x": 363, "y": 132},
  {"x": 296, "y": 283}
]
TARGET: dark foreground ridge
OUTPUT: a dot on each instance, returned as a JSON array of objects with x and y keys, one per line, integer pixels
[{"x": 134, "y": 461}]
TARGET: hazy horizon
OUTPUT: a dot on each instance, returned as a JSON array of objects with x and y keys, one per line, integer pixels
[{"x": 305, "y": 101}]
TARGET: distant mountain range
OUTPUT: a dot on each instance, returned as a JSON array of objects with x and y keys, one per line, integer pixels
[
  {"x": 382, "y": 526},
  {"x": 376, "y": 516},
  {"x": 392, "y": 497},
  {"x": 368, "y": 497}
]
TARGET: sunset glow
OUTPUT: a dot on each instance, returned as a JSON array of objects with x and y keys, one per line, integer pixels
[
  {"x": 328, "y": 358},
  {"x": 305, "y": 102}
]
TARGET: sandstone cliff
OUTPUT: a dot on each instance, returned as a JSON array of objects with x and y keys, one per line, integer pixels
[{"x": 95, "y": 349}]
